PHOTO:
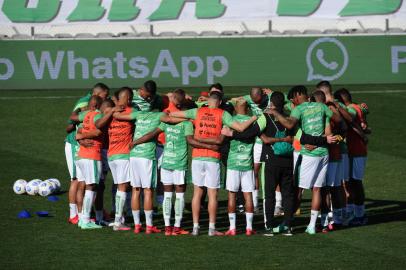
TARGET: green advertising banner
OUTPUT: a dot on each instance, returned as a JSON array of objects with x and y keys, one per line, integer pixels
[{"x": 54, "y": 64}]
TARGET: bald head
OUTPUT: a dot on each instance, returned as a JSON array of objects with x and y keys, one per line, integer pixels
[{"x": 256, "y": 94}]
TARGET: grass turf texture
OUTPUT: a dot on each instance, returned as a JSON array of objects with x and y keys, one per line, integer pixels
[{"x": 32, "y": 146}]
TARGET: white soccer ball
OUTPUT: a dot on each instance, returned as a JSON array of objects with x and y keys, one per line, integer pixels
[
  {"x": 53, "y": 185},
  {"x": 32, "y": 187},
  {"x": 56, "y": 182},
  {"x": 19, "y": 186},
  {"x": 45, "y": 188}
]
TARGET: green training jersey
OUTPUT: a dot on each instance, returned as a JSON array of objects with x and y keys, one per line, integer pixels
[
  {"x": 145, "y": 122},
  {"x": 240, "y": 155},
  {"x": 141, "y": 104},
  {"x": 313, "y": 118},
  {"x": 82, "y": 102},
  {"x": 256, "y": 110},
  {"x": 175, "y": 156}
]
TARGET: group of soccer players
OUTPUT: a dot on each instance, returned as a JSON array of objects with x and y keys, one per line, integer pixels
[{"x": 282, "y": 143}]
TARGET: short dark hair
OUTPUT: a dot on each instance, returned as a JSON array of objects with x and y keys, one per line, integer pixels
[
  {"x": 108, "y": 102},
  {"x": 318, "y": 94},
  {"x": 126, "y": 89},
  {"x": 278, "y": 100},
  {"x": 324, "y": 84},
  {"x": 180, "y": 92},
  {"x": 102, "y": 86},
  {"x": 217, "y": 86},
  {"x": 150, "y": 87},
  {"x": 343, "y": 93},
  {"x": 216, "y": 95},
  {"x": 297, "y": 90},
  {"x": 97, "y": 99}
]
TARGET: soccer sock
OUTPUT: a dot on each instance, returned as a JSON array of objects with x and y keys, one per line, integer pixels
[
  {"x": 337, "y": 216},
  {"x": 313, "y": 218},
  {"x": 87, "y": 205},
  {"x": 136, "y": 216},
  {"x": 350, "y": 209},
  {"x": 359, "y": 211},
  {"x": 73, "y": 210},
  {"x": 278, "y": 197},
  {"x": 99, "y": 215},
  {"x": 120, "y": 201},
  {"x": 148, "y": 217},
  {"x": 196, "y": 225},
  {"x": 231, "y": 218},
  {"x": 249, "y": 217},
  {"x": 255, "y": 198},
  {"x": 179, "y": 205},
  {"x": 324, "y": 219},
  {"x": 212, "y": 226},
  {"x": 167, "y": 208}
]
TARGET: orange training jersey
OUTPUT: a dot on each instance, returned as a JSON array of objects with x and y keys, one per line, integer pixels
[
  {"x": 120, "y": 136},
  {"x": 356, "y": 145},
  {"x": 93, "y": 152},
  {"x": 171, "y": 108}
]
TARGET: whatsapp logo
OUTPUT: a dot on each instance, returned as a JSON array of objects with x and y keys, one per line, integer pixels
[{"x": 326, "y": 59}]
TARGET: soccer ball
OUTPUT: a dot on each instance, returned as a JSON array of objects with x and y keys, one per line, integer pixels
[
  {"x": 19, "y": 186},
  {"x": 56, "y": 182},
  {"x": 45, "y": 188},
  {"x": 32, "y": 187},
  {"x": 53, "y": 185}
]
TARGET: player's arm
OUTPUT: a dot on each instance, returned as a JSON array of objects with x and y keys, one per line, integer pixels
[
  {"x": 178, "y": 114},
  {"x": 171, "y": 120},
  {"x": 287, "y": 122},
  {"x": 105, "y": 119},
  {"x": 317, "y": 140},
  {"x": 238, "y": 126},
  {"x": 272, "y": 140},
  {"x": 70, "y": 128},
  {"x": 218, "y": 141},
  {"x": 196, "y": 144},
  {"x": 123, "y": 116},
  {"x": 88, "y": 135},
  {"x": 147, "y": 137}
]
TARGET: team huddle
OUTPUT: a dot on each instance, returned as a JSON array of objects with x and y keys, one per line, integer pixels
[{"x": 266, "y": 140}]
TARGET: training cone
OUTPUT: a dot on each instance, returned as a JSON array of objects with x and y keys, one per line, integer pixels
[
  {"x": 24, "y": 214},
  {"x": 42, "y": 213},
  {"x": 53, "y": 198}
]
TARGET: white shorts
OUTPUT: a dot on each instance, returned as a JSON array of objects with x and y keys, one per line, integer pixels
[
  {"x": 345, "y": 167},
  {"x": 334, "y": 174},
  {"x": 172, "y": 177},
  {"x": 357, "y": 165},
  {"x": 89, "y": 170},
  {"x": 206, "y": 173},
  {"x": 245, "y": 179},
  {"x": 295, "y": 158},
  {"x": 70, "y": 154},
  {"x": 313, "y": 171},
  {"x": 159, "y": 155},
  {"x": 143, "y": 172},
  {"x": 257, "y": 152},
  {"x": 120, "y": 170}
]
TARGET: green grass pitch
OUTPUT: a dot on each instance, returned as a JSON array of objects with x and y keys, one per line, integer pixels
[{"x": 32, "y": 146}]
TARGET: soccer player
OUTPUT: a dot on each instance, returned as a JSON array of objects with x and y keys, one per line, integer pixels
[
  {"x": 72, "y": 146},
  {"x": 205, "y": 163},
  {"x": 313, "y": 118},
  {"x": 357, "y": 152},
  {"x": 120, "y": 137},
  {"x": 89, "y": 159},
  {"x": 143, "y": 163}
]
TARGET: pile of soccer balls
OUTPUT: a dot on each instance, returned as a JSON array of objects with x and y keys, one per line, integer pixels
[{"x": 37, "y": 186}]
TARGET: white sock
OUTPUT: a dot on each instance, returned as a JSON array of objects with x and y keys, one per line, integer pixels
[
  {"x": 179, "y": 206},
  {"x": 87, "y": 205},
  {"x": 73, "y": 210},
  {"x": 278, "y": 197},
  {"x": 350, "y": 209},
  {"x": 359, "y": 211},
  {"x": 120, "y": 201},
  {"x": 249, "y": 218},
  {"x": 324, "y": 219},
  {"x": 196, "y": 225},
  {"x": 148, "y": 217},
  {"x": 167, "y": 208},
  {"x": 136, "y": 217},
  {"x": 212, "y": 225},
  {"x": 313, "y": 218},
  {"x": 255, "y": 198},
  {"x": 337, "y": 216},
  {"x": 80, "y": 214},
  {"x": 99, "y": 215},
  {"x": 232, "y": 218}
]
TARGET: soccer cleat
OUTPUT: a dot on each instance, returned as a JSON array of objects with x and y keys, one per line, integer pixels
[
  {"x": 249, "y": 232},
  {"x": 310, "y": 230},
  {"x": 325, "y": 229},
  {"x": 90, "y": 226},
  {"x": 288, "y": 232},
  {"x": 179, "y": 231},
  {"x": 168, "y": 230},
  {"x": 152, "y": 229},
  {"x": 74, "y": 220},
  {"x": 121, "y": 227},
  {"x": 196, "y": 231},
  {"x": 280, "y": 229},
  {"x": 231, "y": 232},
  {"x": 138, "y": 228},
  {"x": 213, "y": 232},
  {"x": 103, "y": 223}
]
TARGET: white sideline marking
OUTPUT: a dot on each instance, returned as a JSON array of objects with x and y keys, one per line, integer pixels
[{"x": 66, "y": 97}]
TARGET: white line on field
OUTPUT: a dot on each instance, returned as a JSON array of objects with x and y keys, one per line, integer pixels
[{"x": 43, "y": 97}]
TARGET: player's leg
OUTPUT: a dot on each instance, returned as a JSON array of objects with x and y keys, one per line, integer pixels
[
  {"x": 180, "y": 187},
  {"x": 167, "y": 179},
  {"x": 135, "y": 208},
  {"x": 99, "y": 202},
  {"x": 288, "y": 200},
  {"x": 212, "y": 182},
  {"x": 257, "y": 151},
  {"x": 159, "y": 196},
  {"x": 358, "y": 189},
  {"x": 232, "y": 185},
  {"x": 278, "y": 202},
  {"x": 247, "y": 187},
  {"x": 270, "y": 185},
  {"x": 70, "y": 161},
  {"x": 148, "y": 181},
  {"x": 297, "y": 162},
  {"x": 198, "y": 175}
]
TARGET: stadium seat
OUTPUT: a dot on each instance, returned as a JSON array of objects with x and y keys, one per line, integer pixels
[
  {"x": 272, "y": 33},
  {"x": 144, "y": 34},
  {"x": 312, "y": 32},
  {"x": 104, "y": 35},
  {"x": 353, "y": 31},
  {"x": 84, "y": 36},
  {"x": 127, "y": 35},
  {"x": 21, "y": 36},
  {"x": 229, "y": 33},
  {"x": 331, "y": 32},
  {"x": 63, "y": 35},
  {"x": 42, "y": 36},
  {"x": 167, "y": 34},
  {"x": 210, "y": 33},
  {"x": 7, "y": 31},
  {"x": 292, "y": 32},
  {"x": 251, "y": 33},
  {"x": 189, "y": 34},
  {"x": 374, "y": 31}
]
